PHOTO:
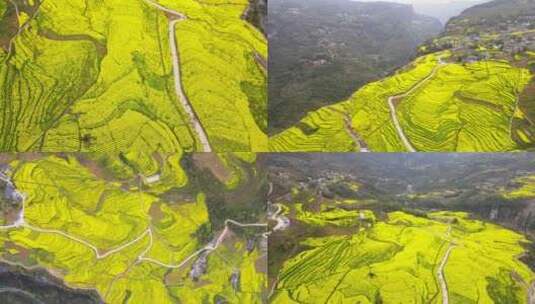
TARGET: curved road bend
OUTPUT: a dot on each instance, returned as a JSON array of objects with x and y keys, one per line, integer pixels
[
  {"x": 392, "y": 107},
  {"x": 208, "y": 248},
  {"x": 21, "y": 28},
  {"x": 517, "y": 102},
  {"x": 17, "y": 12},
  {"x": 282, "y": 221},
  {"x": 20, "y": 222},
  {"x": 394, "y": 117},
  {"x": 186, "y": 104}
]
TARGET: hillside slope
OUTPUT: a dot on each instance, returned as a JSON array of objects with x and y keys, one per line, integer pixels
[
  {"x": 322, "y": 51},
  {"x": 409, "y": 228},
  {"x": 108, "y": 76},
  {"x": 470, "y": 89},
  {"x": 167, "y": 229}
]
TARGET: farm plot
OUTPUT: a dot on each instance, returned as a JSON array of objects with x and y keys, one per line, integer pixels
[
  {"x": 399, "y": 260},
  {"x": 101, "y": 76},
  {"x": 125, "y": 240}
]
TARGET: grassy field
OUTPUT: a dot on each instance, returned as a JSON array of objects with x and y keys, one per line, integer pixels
[
  {"x": 440, "y": 106},
  {"x": 97, "y": 76},
  {"x": 123, "y": 238},
  {"x": 396, "y": 261}
]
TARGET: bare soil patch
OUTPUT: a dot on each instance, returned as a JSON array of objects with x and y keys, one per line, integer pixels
[{"x": 213, "y": 163}]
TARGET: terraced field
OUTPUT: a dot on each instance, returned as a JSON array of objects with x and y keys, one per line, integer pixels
[
  {"x": 107, "y": 76},
  {"x": 524, "y": 188},
  {"x": 442, "y": 258},
  {"x": 429, "y": 105},
  {"x": 149, "y": 236},
  {"x": 334, "y": 216}
]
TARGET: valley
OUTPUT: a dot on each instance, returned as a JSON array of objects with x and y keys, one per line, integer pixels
[
  {"x": 468, "y": 90},
  {"x": 322, "y": 51},
  {"x": 364, "y": 232}
]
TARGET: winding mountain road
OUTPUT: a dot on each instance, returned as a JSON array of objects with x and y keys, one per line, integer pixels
[
  {"x": 393, "y": 99},
  {"x": 511, "y": 121},
  {"x": 395, "y": 120},
  {"x": 21, "y": 223},
  {"x": 10, "y": 47},
  {"x": 208, "y": 248},
  {"x": 186, "y": 104},
  {"x": 282, "y": 221}
]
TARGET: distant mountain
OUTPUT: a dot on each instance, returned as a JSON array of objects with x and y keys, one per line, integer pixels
[
  {"x": 444, "y": 11},
  {"x": 322, "y": 51},
  {"x": 503, "y": 8},
  {"x": 505, "y": 18},
  {"x": 481, "y": 182}
]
